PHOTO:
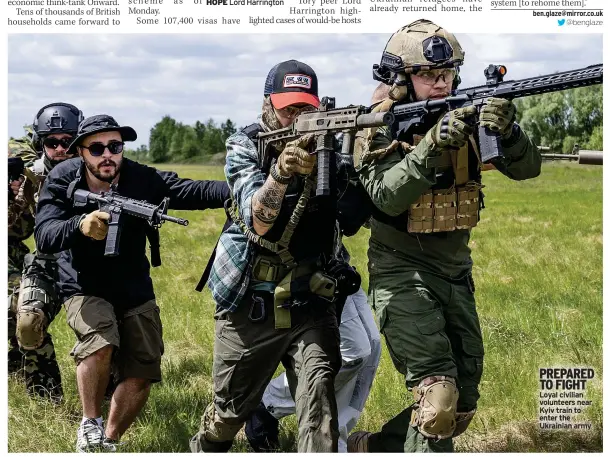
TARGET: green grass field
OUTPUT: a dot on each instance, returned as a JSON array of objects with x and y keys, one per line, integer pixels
[{"x": 538, "y": 270}]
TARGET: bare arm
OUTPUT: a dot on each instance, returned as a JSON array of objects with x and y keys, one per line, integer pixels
[{"x": 266, "y": 205}]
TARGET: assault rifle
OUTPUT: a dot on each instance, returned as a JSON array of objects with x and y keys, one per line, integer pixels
[
  {"x": 324, "y": 123},
  {"x": 116, "y": 205},
  {"x": 410, "y": 115},
  {"x": 15, "y": 170}
]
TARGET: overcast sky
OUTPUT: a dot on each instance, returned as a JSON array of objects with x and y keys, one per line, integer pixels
[{"x": 140, "y": 78}]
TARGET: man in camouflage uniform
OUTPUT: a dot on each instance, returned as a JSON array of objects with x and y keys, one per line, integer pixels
[
  {"x": 425, "y": 184},
  {"x": 32, "y": 276}
]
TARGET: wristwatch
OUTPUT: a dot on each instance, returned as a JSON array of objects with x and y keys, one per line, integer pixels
[{"x": 275, "y": 174}]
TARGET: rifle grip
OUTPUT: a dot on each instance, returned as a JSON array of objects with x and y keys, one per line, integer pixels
[
  {"x": 113, "y": 238},
  {"x": 346, "y": 148},
  {"x": 489, "y": 143}
]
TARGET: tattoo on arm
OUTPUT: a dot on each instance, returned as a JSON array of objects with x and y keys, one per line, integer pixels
[{"x": 266, "y": 204}]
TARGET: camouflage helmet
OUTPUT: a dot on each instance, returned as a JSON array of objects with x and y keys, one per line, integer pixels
[{"x": 420, "y": 46}]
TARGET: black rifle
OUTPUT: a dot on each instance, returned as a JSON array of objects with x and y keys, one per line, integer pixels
[
  {"x": 15, "y": 170},
  {"x": 116, "y": 205},
  {"x": 411, "y": 115},
  {"x": 324, "y": 123}
]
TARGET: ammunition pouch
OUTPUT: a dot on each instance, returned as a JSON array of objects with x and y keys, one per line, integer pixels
[
  {"x": 268, "y": 268},
  {"x": 445, "y": 210},
  {"x": 323, "y": 286},
  {"x": 296, "y": 285}
]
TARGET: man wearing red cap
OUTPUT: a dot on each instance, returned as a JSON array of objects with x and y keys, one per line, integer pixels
[{"x": 264, "y": 275}]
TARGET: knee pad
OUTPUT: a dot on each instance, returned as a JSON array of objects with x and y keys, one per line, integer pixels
[
  {"x": 31, "y": 327},
  {"x": 215, "y": 429},
  {"x": 434, "y": 413},
  {"x": 37, "y": 301},
  {"x": 462, "y": 421}
]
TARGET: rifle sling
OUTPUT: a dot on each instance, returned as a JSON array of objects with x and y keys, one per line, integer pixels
[{"x": 281, "y": 246}]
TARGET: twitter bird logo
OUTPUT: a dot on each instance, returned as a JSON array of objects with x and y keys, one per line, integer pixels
[{"x": 560, "y": 22}]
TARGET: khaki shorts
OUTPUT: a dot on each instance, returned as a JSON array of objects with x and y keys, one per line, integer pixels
[{"x": 137, "y": 336}]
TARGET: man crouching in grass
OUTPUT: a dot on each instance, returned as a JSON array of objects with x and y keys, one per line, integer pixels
[{"x": 110, "y": 302}]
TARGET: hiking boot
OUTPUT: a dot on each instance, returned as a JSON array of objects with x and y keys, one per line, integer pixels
[
  {"x": 263, "y": 430},
  {"x": 89, "y": 437},
  {"x": 358, "y": 442}
]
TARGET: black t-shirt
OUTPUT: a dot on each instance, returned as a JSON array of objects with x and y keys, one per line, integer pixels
[{"x": 123, "y": 280}]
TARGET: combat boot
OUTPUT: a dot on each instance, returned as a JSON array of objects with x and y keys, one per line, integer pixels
[
  {"x": 358, "y": 442},
  {"x": 263, "y": 430}
]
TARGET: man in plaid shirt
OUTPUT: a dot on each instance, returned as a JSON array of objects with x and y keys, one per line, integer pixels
[{"x": 267, "y": 311}]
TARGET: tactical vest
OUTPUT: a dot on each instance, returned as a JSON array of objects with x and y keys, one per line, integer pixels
[{"x": 453, "y": 203}]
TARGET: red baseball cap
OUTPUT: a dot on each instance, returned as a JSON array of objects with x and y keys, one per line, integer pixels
[{"x": 290, "y": 83}]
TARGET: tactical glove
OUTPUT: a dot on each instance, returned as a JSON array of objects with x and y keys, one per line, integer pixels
[
  {"x": 295, "y": 159},
  {"x": 94, "y": 225},
  {"x": 15, "y": 186},
  {"x": 498, "y": 115},
  {"x": 453, "y": 130}
]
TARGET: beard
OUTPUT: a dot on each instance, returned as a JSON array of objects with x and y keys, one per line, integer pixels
[{"x": 106, "y": 176}]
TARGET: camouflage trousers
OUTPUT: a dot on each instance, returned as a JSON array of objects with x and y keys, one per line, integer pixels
[{"x": 38, "y": 365}]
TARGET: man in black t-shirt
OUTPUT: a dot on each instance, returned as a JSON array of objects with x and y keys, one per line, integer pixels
[{"x": 109, "y": 300}]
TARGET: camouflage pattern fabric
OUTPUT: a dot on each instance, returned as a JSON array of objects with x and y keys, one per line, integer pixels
[
  {"x": 22, "y": 209},
  {"x": 39, "y": 366},
  {"x": 16, "y": 254}
]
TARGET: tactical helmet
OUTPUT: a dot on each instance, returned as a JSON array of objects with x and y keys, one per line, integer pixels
[
  {"x": 419, "y": 46},
  {"x": 54, "y": 118},
  {"x": 57, "y": 118}
]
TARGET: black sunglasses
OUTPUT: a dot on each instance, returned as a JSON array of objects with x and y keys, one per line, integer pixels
[
  {"x": 97, "y": 149},
  {"x": 53, "y": 143}
]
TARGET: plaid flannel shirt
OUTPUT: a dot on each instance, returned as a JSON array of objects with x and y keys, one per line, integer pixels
[
  {"x": 232, "y": 269},
  {"x": 231, "y": 272}
]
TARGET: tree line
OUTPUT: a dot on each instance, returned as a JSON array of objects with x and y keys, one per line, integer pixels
[
  {"x": 173, "y": 141},
  {"x": 558, "y": 120}
]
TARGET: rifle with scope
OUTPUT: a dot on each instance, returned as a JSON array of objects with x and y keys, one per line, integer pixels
[{"x": 409, "y": 116}]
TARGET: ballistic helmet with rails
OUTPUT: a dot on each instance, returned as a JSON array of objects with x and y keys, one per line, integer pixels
[
  {"x": 420, "y": 46},
  {"x": 55, "y": 118}
]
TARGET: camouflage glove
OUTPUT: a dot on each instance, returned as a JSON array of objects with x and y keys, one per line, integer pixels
[
  {"x": 295, "y": 159},
  {"x": 94, "y": 225},
  {"x": 16, "y": 185},
  {"x": 498, "y": 115},
  {"x": 453, "y": 130}
]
